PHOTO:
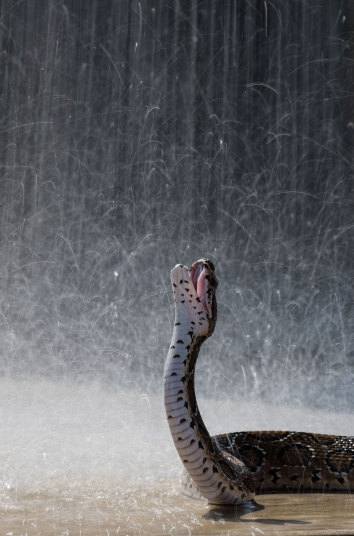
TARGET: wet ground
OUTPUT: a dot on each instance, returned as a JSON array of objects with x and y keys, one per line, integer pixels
[
  {"x": 162, "y": 511},
  {"x": 79, "y": 459}
]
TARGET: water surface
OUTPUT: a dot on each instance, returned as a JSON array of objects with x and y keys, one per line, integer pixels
[{"x": 84, "y": 459}]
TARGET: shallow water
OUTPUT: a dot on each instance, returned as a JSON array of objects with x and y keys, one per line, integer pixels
[
  {"x": 161, "y": 510},
  {"x": 87, "y": 459},
  {"x": 134, "y": 138}
]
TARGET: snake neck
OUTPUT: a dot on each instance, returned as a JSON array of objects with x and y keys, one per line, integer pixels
[{"x": 211, "y": 471}]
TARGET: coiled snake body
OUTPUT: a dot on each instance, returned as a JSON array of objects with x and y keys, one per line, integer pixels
[{"x": 231, "y": 468}]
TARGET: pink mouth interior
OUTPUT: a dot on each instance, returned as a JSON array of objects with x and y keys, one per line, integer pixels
[{"x": 197, "y": 274}]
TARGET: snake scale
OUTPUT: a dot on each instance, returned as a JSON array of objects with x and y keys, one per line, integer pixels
[{"x": 231, "y": 468}]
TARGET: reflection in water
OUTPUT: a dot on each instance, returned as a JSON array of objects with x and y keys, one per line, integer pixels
[
  {"x": 134, "y": 137},
  {"x": 161, "y": 510},
  {"x": 234, "y": 515},
  {"x": 87, "y": 460}
]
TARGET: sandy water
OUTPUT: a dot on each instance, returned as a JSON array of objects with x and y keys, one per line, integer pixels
[
  {"x": 88, "y": 460},
  {"x": 161, "y": 510}
]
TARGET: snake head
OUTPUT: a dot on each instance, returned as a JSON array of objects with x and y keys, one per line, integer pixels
[{"x": 194, "y": 293}]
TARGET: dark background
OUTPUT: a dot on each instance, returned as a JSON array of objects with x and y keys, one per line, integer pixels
[{"x": 137, "y": 135}]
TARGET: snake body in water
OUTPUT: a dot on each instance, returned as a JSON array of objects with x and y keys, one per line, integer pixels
[{"x": 231, "y": 468}]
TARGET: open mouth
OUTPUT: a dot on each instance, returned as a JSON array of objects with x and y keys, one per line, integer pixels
[{"x": 204, "y": 282}]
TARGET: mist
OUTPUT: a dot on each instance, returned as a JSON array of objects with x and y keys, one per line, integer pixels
[{"x": 136, "y": 135}]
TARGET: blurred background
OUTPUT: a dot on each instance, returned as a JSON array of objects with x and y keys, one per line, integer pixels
[{"x": 135, "y": 135}]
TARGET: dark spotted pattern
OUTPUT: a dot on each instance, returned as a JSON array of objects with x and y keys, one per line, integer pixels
[
  {"x": 235, "y": 475},
  {"x": 252, "y": 456},
  {"x": 340, "y": 460},
  {"x": 295, "y": 455},
  {"x": 267, "y": 461},
  {"x": 294, "y": 461}
]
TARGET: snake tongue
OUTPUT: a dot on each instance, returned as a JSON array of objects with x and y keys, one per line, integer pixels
[{"x": 198, "y": 273}]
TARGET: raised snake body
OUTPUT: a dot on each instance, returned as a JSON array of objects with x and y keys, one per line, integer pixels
[{"x": 231, "y": 468}]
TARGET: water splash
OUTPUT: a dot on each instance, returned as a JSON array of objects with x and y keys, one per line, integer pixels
[{"x": 135, "y": 136}]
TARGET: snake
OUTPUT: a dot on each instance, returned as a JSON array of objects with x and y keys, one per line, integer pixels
[{"x": 232, "y": 468}]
